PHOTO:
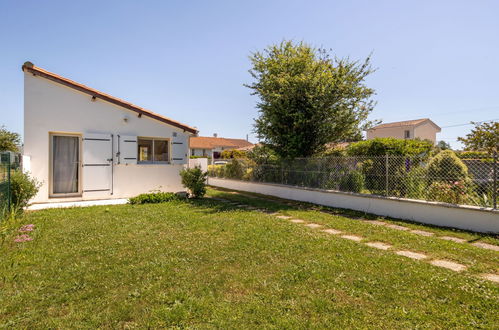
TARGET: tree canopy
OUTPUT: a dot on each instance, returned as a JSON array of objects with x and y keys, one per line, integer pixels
[
  {"x": 484, "y": 137},
  {"x": 9, "y": 141},
  {"x": 308, "y": 98}
]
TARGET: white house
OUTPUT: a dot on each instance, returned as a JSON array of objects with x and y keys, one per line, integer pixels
[
  {"x": 424, "y": 129},
  {"x": 83, "y": 144},
  {"x": 207, "y": 146}
]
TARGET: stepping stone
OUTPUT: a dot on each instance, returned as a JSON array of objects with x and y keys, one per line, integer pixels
[
  {"x": 251, "y": 208},
  {"x": 422, "y": 233},
  {"x": 412, "y": 255},
  {"x": 332, "y": 231},
  {"x": 453, "y": 239},
  {"x": 297, "y": 221},
  {"x": 491, "y": 277},
  {"x": 284, "y": 217},
  {"x": 313, "y": 225},
  {"x": 449, "y": 265},
  {"x": 486, "y": 246},
  {"x": 352, "y": 238},
  {"x": 379, "y": 245},
  {"x": 397, "y": 227},
  {"x": 376, "y": 222}
]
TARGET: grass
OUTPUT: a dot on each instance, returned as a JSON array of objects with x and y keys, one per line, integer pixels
[{"x": 204, "y": 264}]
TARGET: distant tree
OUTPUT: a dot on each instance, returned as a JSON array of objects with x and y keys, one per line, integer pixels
[
  {"x": 9, "y": 141},
  {"x": 442, "y": 145},
  {"x": 484, "y": 137},
  {"x": 307, "y": 98}
]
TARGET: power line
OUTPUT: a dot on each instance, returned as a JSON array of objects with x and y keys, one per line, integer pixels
[{"x": 476, "y": 122}]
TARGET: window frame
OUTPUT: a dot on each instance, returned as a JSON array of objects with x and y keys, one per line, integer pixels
[{"x": 154, "y": 162}]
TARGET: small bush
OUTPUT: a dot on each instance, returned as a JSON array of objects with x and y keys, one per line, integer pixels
[
  {"x": 448, "y": 192},
  {"x": 446, "y": 166},
  {"x": 234, "y": 170},
  {"x": 194, "y": 179},
  {"x": 154, "y": 197},
  {"x": 414, "y": 183},
  {"x": 22, "y": 188},
  {"x": 353, "y": 181}
]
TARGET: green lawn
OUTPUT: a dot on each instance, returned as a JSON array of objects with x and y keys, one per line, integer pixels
[{"x": 205, "y": 264}]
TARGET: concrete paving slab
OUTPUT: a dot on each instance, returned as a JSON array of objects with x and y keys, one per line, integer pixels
[
  {"x": 313, "y": 225},
  {"x": 412, "y": 255},
  {"x": 297, "y": 221},
  {"x": 422, "y": 233},
  {"x": 449, "y": 265},
  {"x": 352, "y": 238},
  {"x": 379, "y": 245},
  {"x": 491, "y": 277},
  {"x": 43, "y": 206},
  {"x": 397, "y": 227},
  {"x": 332, "y": 231},
  {"x": 486, "y": 246},
  {"x": 284, "y": 217},
  {"x": 453, "y": 239},
  {"x": 376, "y": 222}
]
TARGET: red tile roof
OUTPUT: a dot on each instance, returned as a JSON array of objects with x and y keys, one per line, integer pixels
[
  {"x": 30, "y": 67},
  {"x": 205, "y": 142},
  {"x": 414, "y": 122}
]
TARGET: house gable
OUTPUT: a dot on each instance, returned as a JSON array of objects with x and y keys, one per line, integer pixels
[{"x": 28, "y": 67}]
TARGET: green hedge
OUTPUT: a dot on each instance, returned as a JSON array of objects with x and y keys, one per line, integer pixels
[{"x": 155, "y": 197}]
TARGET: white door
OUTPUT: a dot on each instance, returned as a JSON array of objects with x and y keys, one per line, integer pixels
[{"x": 97, "y": 163}]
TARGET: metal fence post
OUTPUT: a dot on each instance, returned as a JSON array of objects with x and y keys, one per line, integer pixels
[
  {"x": 494, "y": 185},
  {"x": 386, "y": 174},
  {"x": 9, "y": 197}
]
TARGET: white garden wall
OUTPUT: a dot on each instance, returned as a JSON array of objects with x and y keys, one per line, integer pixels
[{"x": 439, "y": 214}]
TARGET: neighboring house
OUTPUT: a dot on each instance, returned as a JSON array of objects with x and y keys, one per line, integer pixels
[
  {"x": 424, "y": 129},
  {"x": 83, "y": 144},
  {"x": 205, "y": 146}
]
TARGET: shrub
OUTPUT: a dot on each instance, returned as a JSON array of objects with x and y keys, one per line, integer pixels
[
  {"x": 194, "y": 179},
  {"x": 234, "y": 153},
  {"x": 154, "y": 197},
  {"x": 22, "y": 188},
  {"x": 353, "y": 181},
  {"x": 234, "y": 170},
  {"x": 446, "y": 166},
  {"x": 389, "y": 146},
  {"x": 448, "y": 192},
  {"x": 414, "y": 183}
]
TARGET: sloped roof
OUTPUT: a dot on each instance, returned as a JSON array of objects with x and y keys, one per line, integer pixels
[
  {"x": 206, "y": 142},
  {"x": 414, "y": 122},
  {"x": 30, "y": 67}
]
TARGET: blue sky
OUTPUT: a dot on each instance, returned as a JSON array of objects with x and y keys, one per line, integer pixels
[{"x": 189, "y": 59}]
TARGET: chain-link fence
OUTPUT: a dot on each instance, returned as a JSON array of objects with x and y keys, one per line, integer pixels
[
  {"x": 9, "y": 162},
  {"x": 442, "y": 178}
]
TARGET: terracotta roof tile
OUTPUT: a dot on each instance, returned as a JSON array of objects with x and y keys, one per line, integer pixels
[
  {"x": 414, "y": 122},
  {"x": 206, "y": 142},
  {"x": 29, "y": 67}
]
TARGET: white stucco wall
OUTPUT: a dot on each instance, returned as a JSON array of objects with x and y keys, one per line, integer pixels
[
  {"x": 439, "y": 214},
  {"x": 395, "y": 132},
  {"x": 51, "y": 107},
  {"x": 424, "y": 131}
]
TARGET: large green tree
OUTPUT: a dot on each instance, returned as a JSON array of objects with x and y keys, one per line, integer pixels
[
  {"x": 483, "y": 137},
  {"x": 308, "y": 98},
  {"x": 9, "y": 141}
]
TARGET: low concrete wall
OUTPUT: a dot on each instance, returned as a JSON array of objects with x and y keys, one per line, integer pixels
[{"x": 439, "y": 214}]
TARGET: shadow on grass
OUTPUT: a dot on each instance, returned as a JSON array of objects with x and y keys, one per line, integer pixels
[{"x": 276, "y": 204}]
